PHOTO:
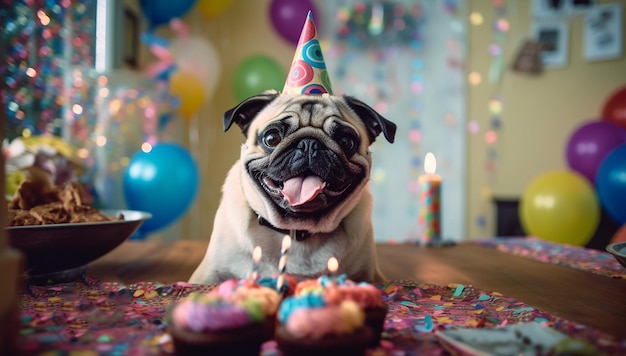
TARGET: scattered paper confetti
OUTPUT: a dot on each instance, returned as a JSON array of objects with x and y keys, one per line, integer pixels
[
  {"x": 120, "y": 320},
  {"x": 589, "y": 260}
]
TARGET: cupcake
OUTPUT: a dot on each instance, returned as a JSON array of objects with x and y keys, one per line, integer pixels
[
  {"x": 366, "y": 295},
  {"x": 308, "y": 325},
  {"x": 238, "y": 291},
  {"x": 233, "y": 318}
]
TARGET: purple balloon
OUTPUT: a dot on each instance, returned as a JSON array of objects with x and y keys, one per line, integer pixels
[
  {"x": 590, "y": 144},
  {"x": 288, "y": 17}
]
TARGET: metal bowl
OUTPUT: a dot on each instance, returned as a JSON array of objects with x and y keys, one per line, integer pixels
[
  {"x": 55, "y": 248},
  {"x": 618, "y": 250}
]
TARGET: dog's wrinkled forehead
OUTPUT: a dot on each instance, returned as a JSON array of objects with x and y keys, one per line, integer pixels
[
  {"x": 320, "y": 111},
  {"x": 258, "y": 111}
]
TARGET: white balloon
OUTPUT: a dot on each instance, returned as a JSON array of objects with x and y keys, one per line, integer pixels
[{"x": 197, "y": 56}]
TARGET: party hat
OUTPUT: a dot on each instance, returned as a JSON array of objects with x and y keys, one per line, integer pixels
[{"x": 308, "y": 74}]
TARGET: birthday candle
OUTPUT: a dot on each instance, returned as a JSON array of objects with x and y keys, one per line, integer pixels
[
  {"x": 332, "y": 266},
  {"x": 256, "y": 259},
  {"x": 282, "y": 263},
  {"x": 430, "y": 201}
]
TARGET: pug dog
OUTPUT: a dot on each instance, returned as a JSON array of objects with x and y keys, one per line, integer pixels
[{"x": 303, "y": 171}]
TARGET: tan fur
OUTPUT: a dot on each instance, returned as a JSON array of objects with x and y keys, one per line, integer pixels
[{"x": 344, "y": 232}]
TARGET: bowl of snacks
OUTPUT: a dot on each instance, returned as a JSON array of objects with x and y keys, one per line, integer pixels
[
  {"x": 59, "y": 235},
  {"x": 51, "y": 217}
]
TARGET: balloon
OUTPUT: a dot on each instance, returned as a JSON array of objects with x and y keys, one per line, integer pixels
[
  {"x": 614, "y": 109},
  {"x": 560, "y": 206},
  {"x": 162, "y": 182},
  {"x": 190, "y": 92},
  {"x": 256, "y": 74},
  {"x": 159, "y": 12},
  {"x": 620, "y": 235},
  {"x": 611, "y": 184},
  {"x": 212, "y": 8},
  {"x": 197, "y": 57},
  {"x": 288, "y": 17},
  {"x": 590, "y": 143}
]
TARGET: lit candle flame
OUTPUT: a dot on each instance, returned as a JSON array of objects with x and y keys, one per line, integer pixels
[
  {"x": 286, "y": 243},
  {"x": 333, "y": 265},
  {"x": 256, "y": 254},
  {"x": 430, "y": 164}
]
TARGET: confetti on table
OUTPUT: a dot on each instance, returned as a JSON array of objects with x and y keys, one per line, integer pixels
[
  {"x": 585, "y": 259},
  {"x": 114, "y": 318}
]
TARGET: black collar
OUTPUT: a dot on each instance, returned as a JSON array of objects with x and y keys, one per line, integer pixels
[{"x": 298, "y": 235}]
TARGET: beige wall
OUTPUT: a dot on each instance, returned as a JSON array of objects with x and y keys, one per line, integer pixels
[{"x": 540, "y": 112}]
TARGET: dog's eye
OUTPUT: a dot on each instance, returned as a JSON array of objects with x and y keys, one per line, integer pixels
[
  {"x": 271, "y": 138},
  {"x": 348, "y": 144}
]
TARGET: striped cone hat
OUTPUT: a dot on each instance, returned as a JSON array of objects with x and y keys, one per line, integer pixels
[{"x": 308, "y": 73}]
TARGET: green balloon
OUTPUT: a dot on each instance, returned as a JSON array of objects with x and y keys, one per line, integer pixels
[{"x": 256, "y": 74}]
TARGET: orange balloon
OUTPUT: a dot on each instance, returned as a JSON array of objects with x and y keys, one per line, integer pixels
[
  {"x": 189, "y": 91},
  {"x": 620, "y": 235},
  {"x": 212, "y": 8}
]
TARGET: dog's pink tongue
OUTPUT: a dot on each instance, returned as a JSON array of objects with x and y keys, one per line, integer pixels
[{"x": 300, "y": 190}]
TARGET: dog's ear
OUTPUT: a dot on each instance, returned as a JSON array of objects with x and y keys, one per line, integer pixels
[
  {"x": 374, "y": 122},
  {"x": 244, "y": 113}
]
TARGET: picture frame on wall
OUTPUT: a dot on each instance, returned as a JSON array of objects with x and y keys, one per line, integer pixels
[
  {"x": 554, "y": 37},
  {"x": 558, "y": 9},
  {"x": 581, "y": 6},
  {"x": 603, "y": 33}
]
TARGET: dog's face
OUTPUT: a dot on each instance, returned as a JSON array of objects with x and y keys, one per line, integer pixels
[{"x": 306, "y": 158}]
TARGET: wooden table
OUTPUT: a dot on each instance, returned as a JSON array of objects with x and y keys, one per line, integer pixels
[{"x": 593, "y": 300}]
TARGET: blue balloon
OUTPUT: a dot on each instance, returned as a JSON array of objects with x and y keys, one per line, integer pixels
[
  {"x": 160, "y": 12},
  {"x": 611, "y": 184},
  {"x": 163, "y": 182}
]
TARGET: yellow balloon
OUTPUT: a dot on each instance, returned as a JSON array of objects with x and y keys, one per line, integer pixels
[
  {"x": 212, "y": 8},
  {"x": 189, "y": 91},
  {"x": 560, "y": 206}
]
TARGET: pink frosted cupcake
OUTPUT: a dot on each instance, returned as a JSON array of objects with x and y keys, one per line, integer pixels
[
  {"x": 239, "y": 291},
  {"x": 233, "y": 319},
  {"x": 310, "y": 326}
]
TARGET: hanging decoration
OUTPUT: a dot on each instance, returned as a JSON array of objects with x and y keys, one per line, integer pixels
[
  {"x": 379, "y": 52},
  {"x": 379, "y": 24},
  {"x": 495, "y": 105},
  {"x": 189, "y": 64},
  {"x": 387, "y": 37},
  {"x": 41, "y": 42}
]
